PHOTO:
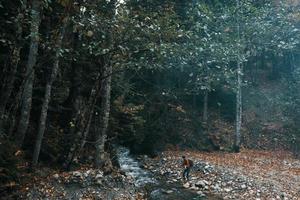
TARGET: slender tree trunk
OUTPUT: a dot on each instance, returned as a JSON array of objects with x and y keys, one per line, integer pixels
[
  {"x": 103, "y": 116},
  {"x": 7, "y": 89},
  {"x": 239, "y": 111},
  {"x": 27, "y": 92},
  {"x": 237, "y": 142},
  {"x": 205, "y": 110},
  {"x": 44, "y": 110},
  {"x": 87, "y": 130},
  {"x": 82, "y": 126}
]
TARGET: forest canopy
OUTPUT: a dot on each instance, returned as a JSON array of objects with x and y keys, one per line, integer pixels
[{"x": 79, "y": 77}]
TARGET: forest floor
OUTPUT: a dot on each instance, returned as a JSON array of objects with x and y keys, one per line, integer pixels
[{"x": 250, "y": 174}]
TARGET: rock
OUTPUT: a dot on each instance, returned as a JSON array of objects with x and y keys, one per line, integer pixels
[
  {"x": 283, "y": 195},
  {"x": 201, "y": 194},
  {"x": 227, "y": 190},
  {"x": 56, "y": 176},
  {"x": 77, "y": 174},
  {"x": 169, "y": 191},
  {"x": 200, "y": 184},
  {"x": 99, "y": 182},
  {"x": 186, "y": 185},
  {"x": 99, "y": 176},
  {"x": 243, "y": 186},
  {"x": 216, "y": 187},
  {"x": 194, "y": 188},
  {"x": 206, "y": 182},
  {"x": 87, "y": 173}
]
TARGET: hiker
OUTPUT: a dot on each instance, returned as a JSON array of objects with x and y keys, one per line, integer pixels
[{"x": 187, "y": 164}]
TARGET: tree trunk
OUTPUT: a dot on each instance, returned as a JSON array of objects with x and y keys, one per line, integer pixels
[
  {"x": 205, "y": 110},
  {"x": 82, "y": 126},
  {"x": 27, "y": 92},
  {"x": 87, "y": 130},
  {"x": 237, "y": 141},
  {"x": 44, "y": 110},
  {"x": 239, "y": 110},
  {"x": 103, "y": 116},
  {"x": 8, "y": 87}
]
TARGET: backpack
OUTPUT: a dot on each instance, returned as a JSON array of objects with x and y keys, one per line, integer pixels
[{"x": 191, "y": 163}]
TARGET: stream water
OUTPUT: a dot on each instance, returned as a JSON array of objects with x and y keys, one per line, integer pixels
[
  {"x": 131, "y": 167},
  {"x": 157, "y": 189}
]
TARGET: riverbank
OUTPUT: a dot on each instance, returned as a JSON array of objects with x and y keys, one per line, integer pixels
[
  {"x": 247, "y": 175},
  {"x": 84, "y": 184}
]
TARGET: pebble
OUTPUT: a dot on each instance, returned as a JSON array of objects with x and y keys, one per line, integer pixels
[
  {"x": 56, "y": 176},
  {"x": 186, "y": 185},
  {"x": 201, "y": 194},
  {"x": 194, "y": 188},
  {"x": 200, "y": 184}
]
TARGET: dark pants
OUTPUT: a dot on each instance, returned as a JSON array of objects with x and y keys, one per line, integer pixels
[{"x": 186, "y": 173}]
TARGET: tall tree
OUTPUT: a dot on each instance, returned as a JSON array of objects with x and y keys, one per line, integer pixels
[
  {"x": 47, "y": 96},
  {"x": 104, "y": 114},
  {"x": 7, "y": 88},
  {"x": 29, "y": 76},
  {"x": 239, "y": 111}
]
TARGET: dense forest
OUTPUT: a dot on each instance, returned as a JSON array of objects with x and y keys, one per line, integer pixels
[{"x": 80, "y": 78}]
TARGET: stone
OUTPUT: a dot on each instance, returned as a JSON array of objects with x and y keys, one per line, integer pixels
[
  {"x": 167, "y": 191},
  {"x": 243, "y": 186},
  {"x": 186, "y": 185},
  {"x": 201, "y": 194},
  {"x": 77, "y": 174},
  {"x": 216, "y": 187},
  {"x": 99, "y": 181},
  {"x": 194, "y": 188},
  {"x": 56, "y": 176},
  {"x": 227, "y": 190},
  {"x": 99, "y": 176},
  {"x": 200, "y": 184},
  {"x": 206, "y": 182}
]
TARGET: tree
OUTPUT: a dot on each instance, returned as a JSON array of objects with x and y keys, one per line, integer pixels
[
  {"x": 44, "y": 110},
  {"x": 7, "y": 88},
  {"x": 29, "y": 76},
  {"x": 239, "y": 111}
]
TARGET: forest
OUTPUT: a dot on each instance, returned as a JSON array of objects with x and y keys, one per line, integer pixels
[{"x": 100, "y": 99}]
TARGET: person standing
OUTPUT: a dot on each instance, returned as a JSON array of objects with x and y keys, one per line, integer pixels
[{"x": 187, "y": 164}]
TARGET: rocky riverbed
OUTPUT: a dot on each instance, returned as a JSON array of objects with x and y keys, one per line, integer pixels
[
  {"x": 249, "y": 175},
  {"x": 82, "y": 184},
  {"x": 214, "y": 178}
]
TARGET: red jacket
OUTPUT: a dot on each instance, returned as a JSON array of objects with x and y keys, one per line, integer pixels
[{"x": 186, "y": 163}]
